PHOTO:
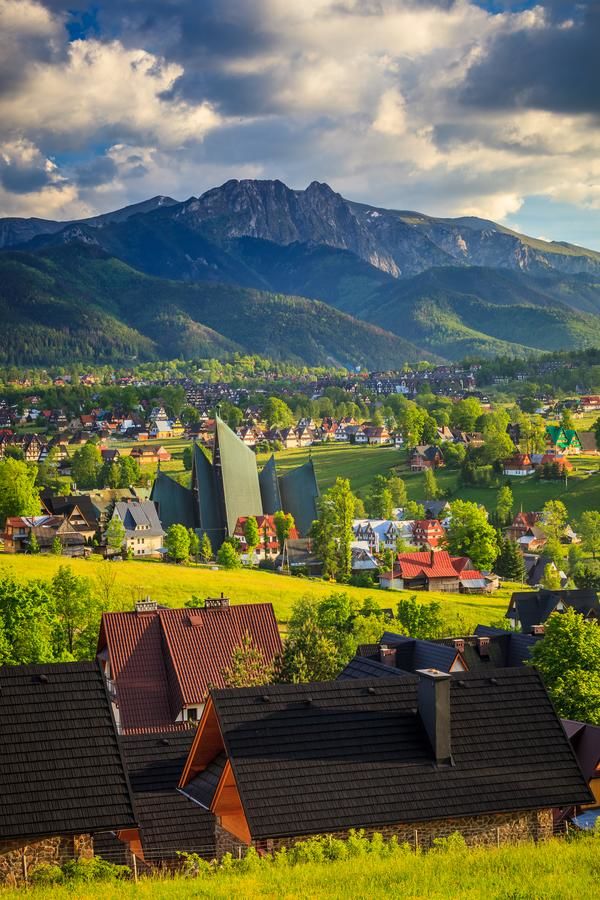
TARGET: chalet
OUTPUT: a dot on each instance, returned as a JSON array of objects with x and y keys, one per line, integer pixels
[
  {"x": 418, "y": 756},
  {"x": 19, "y": 531},
  {"x": 428, "y": 533},
  {"x": 57, "y": 794},
  {"x": 110, "y": 455},
  {"x": 362, "y": 559},
  {"x": 535, "y": 569},
  {"x": 425, "y": 456},
  {"x": 589, "y": 403},
  {"x": 76, "y": 508},
  {"x": 169, "y": 823},
  {"x": 487, "y": 648},
  {"x": 588, "y": 443},
  {"x": 269, "y": 545},
  {"x": 33, "y": 447},
  {"x": 159, "y": 663},
  {"x": 377, "y": 434},
  {"x": 528, "y": 610},
  {"x": 585, "y": 741},
  {"x": 565, "y": 440},
  {"x": 436, "y": 570},
  {"x": 143, "y": 531},
  {"x": 380, "y": 534},
  {"x": 436, "y": 509},
  {"x": 299, "y": 556},
  {"x": 562, "y": 462},
  {"x": 150, "y": 454},
  {"x": 522, "y": 523},
  {"x": 518, "y": 465}
]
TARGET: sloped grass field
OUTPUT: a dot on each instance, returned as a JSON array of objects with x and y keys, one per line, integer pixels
[
  {"x": 556, "y": 870},
  {"x": 174, "y": 584}
]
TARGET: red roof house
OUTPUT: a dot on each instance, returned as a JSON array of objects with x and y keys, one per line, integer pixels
[
  {"x": 159, "y": 663},
  {"x": 428, "y": 533},
  {"x": 269, "y": 545},
  {"x": 430, "y": 571}
]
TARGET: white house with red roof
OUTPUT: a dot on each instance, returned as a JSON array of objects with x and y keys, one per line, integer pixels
[{"x": 432, "y": 571}]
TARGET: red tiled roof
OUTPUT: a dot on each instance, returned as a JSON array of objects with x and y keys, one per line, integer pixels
[
  {"x": 431, "y": 564},
  {"x": 168, "y": 658}
]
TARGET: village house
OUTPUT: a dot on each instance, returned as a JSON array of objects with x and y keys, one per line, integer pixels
[
  {"x": 381, "y": 534},
  {"x": 427, "y": 534},
  {"x": 269, "y": 545},
  {"x": 143, "y": 532},
  {"x": 19, "y": 532},
  {"x": 76, "y": 508},
  {"x": 33, "y": 446},
  {"x": 585, "y": 741},
  {"x": 425, "y": 456},
  {"x": 299, "y": 557},
  {"x": 487, "y": 648},
  {"x": 564, "y": 440},
  {"x": 150, "y": 454},
  {"x": 376, "y": 434},
  {"x": 433, "y": 571},
  {"x": 422, "y": 756},
  {"x": 587, "y": 440},
  {"x": 518, "y": 465},
  {"x": 62, "y": 780},
  {"x": 159, "y": 663},
  {"x": 529, "y": 610}
]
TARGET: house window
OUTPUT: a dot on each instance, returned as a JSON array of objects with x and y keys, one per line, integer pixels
[{"x": 192, "y": 714}]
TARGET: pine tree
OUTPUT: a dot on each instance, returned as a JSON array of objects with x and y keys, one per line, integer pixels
[
  {"x": 431, "y": 489},
  {"x": 34, "y": 544},
  {"x": 206, "y": 550},
  {"x": 510, "y": 563}
]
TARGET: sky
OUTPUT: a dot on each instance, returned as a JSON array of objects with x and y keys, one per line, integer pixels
[{"x": 449, "y": 107}]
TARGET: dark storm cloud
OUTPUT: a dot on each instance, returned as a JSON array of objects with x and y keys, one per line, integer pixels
[
  {"x": 554, "y": 67},
  {"x": 24, "y": 177},
  {"x": 100, "y": 171}
]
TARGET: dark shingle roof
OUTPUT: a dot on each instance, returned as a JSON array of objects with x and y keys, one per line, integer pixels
[
  {"x": 168, "y": 820},
  {"x": 412, "y": 654},
  {"x": 534, "y": 607},
  {"x": 61, "y": 770},
  {"x": 364, "y": 667},
  {"x": 330, "y": 756}
]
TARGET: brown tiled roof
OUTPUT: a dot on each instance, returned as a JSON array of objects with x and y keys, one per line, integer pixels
[{"x": 166, "y": 659}]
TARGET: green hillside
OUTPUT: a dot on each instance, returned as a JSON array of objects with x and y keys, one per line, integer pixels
[{"x": 76, "y": 300}]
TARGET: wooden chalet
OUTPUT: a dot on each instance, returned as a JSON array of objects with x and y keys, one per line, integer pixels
[
  {"x": 432, "y": 570},
  {"x": 425, "y": 456},
  {"x": 529, "y": 610},
  {"x": 418, "y": 756},
  {"x": 428, "y": 533}
]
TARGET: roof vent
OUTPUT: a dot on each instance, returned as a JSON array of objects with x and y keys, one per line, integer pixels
[
  {"x": 371, "y": 690},
  {"x": 146, "y": 605},
  {"x": 43, "y": 678},
  {"x": 265, "y": 698},
  {"x": 165, "y": 742},
  {"x": 195, "y": 621},
  {"x": 308, "y": 701},
  {"x": 216, "y": 602},
  {"x": 494, "y": 681}
]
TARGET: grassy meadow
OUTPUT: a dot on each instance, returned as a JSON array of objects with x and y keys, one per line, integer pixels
[
  {"x": 174, "y": 584},
  {"x": 556, "y": 870}
]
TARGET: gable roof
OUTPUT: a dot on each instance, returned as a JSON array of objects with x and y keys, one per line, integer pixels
[
  {"x": 534, "y": 607},
  {"x": 431, "y": 564},
  {"x": 140, "y": 514},
  {"x": 61, "y": 770},
  {"x": 585, "y": 740},
  {"x": 166, "y": 659},
  {"x": 326, "y": 757},
  {"x": 168, "y": 821}
]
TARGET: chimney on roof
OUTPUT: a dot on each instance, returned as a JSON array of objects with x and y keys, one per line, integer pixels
[
  {"x": 387, "y": 655},
  {"x": 459, "y": 644},
  {"x": 146, "y": 605},
  {"x": 538, "y": 629},
  {"x": 433, "y": 698},
  {"x": 483, "y": 645},
  {"x": 217, "y": 602},
  {"x": 431, "y": 556}
]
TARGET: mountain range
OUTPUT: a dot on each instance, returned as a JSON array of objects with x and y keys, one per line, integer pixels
[{"x": 304, "y": 275}]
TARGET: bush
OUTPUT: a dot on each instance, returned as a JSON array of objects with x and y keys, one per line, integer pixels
[
  {"x": 94, "y": 869},
  {"x": 46, "y": 873}
]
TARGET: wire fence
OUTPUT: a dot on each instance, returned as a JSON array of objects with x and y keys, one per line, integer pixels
[{"x": 412, "y": 838}]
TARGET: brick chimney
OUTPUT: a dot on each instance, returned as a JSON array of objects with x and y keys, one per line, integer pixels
[
  {"x": 483, "y": 645},
  {"x": 538, "y": 629},
  {"x": 387, "y": 655},
  {"x": 459, "y": 644},
  {"x": 217, "y": 602},
  {"x": 433, "y": 701}
]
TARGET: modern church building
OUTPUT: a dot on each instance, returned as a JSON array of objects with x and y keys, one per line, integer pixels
[{"x": 230, "y": 486}]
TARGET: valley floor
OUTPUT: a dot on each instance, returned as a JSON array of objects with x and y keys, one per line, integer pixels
[{"x": 557, "y": 870}]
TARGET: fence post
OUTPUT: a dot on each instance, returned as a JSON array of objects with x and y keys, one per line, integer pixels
[
  {"x": 498, "y": 836},
  {"x": 25, "y": 878},
  {"x": 416, "y": 840},
  {"x": 135, "y": 872},
  {"x": 239, "y": 851}
]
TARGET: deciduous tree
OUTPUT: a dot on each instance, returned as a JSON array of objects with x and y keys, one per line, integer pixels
[
  {"x": 470, "y": 534},
  {"x": 589, "y": 531},
  {"x": 177, "y": 542}
]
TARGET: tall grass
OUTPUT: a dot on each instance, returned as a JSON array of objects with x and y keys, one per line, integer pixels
[{"x": 556, "y": 869}]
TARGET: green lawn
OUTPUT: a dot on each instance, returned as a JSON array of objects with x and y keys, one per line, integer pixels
[
  {"x": 173, "y": 585},
  {"x": 556, "y": 870},
  {"x": 581, "y": 492}
]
